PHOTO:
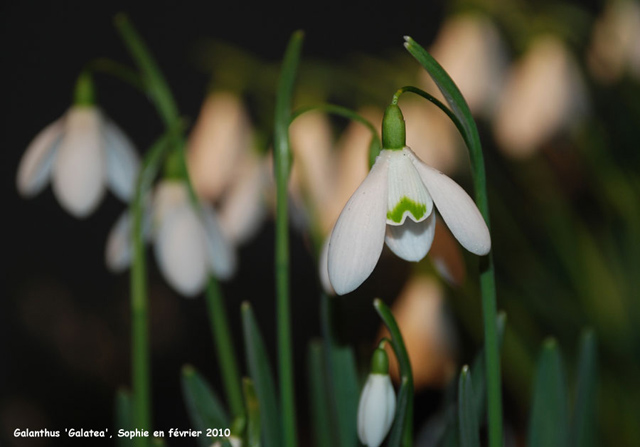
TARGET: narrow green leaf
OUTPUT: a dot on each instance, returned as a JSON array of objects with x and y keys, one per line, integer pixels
[
  {"x": 253, "y": 413},
  {"x": 319, "y": 395},
  {"x": 479, "y": 372},
  {"x": 203, "y": 406},
  {"x": 451, "y": 94},
  {"x": 260, "y": 372},
  {"x": 346, "y": 392},
  {"x": 282, "y": 168},
  {"x": 124, "y": 416},
  {"x": 548, "y": 426},
  {"x": 584, "y": 423},
  {"x": 402, "y": 431},
  {"x": 467, "y": 417},
  {"x": 342, "y": 383}
]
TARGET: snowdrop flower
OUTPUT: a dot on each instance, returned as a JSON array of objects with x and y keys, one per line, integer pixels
[
  {"x": 81, "y": 153},
  {"x": 470, "y": 49},
  {"x": 188, "y": 245},
  {"x": 377, "y": 402},
  {"x": 544, "y": 94},
  {"x": 426, "y": 331},
  {"x": 220, "y": 137},
  {"x": 395, "y": 204},
  {"x": 614, "y": 47}
]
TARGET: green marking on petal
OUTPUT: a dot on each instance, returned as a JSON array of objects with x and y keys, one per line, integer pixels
[{"x": 418, "y": 210}]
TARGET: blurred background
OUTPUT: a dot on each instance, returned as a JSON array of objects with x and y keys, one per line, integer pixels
[{"x": 554, "y": 87}]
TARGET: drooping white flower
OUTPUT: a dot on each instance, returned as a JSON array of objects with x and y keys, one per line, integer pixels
[
  {"x": 395, "y": 205},
  {"x": 426, "y": 331},
  {"x": 614, "y": 47},
  {"x": 188, "y": 245},
  {"x": 82, "y": 153},
  {"x": 217, "y": 144},
  {"x": 225, "y": 168},
  {"x": 544, "y": 95},
  {"x": 471, "y": 50},
  {"x": 377, "y": 405}
]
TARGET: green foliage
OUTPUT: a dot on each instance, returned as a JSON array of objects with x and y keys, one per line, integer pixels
[{"x": 203, "y": 405}]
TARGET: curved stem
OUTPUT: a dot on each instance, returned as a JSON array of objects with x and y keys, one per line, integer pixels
[
  {"x": 466, "y": 125},
  {"x": 160, "y": 93},
  {"x": 337, "y": 110},
  {"x": 117, "y": 70},
  {"x": 282, "y": 166},
  {"x": 404, "y": 410},
  {"x": 139, "y": 297}
]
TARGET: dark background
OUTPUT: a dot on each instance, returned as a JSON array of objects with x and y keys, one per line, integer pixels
[{"x": 64, "y": 325}]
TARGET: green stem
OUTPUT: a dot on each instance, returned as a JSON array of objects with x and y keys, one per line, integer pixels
[
  {"x": 117, "y": 70},
  {"x": 139, "y": 302},
  {"x": 406, "y": 373},
  {"x": 160, "y": 93},
  {"x": 224, "y": 347},
  {"x": 338, "y": 110},
  {"x": 282, "y": 166},
  {"x": 487, "y": 277}
]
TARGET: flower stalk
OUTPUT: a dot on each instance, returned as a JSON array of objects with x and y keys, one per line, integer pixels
[
  {"x": 160, "y": 94},
  {"x": 461, "y": 116},
  {"x": 282, "y": 167}
]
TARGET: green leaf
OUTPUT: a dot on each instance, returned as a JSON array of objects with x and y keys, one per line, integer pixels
[
  {"x": 453, "y": 97},
  {"x": 548, "y": 426},
  {"x": 479, "y": 372},
  {"x": 124, "y": 416},
  {"x": 584, "y": 423},
  {"x": 342, "y": 383},
  {"x": 402, "y": 431},
  {"x": 319, "y": 395},
  {"x": 260, "y": 372},
  {"x": 253, "y": 413},
  {"x": 467, "y": 416},
  {"x": 203, "y": 406}
]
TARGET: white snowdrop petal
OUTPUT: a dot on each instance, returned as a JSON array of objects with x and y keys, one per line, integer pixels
[
  {"x": 36, "y": 163},
  {"x": 243, "y": 209},
  {"x": 358, "y": 235},
  {"x": 457, "y": 209},
  {"x": 222, "y": 133},
  {"x": 119, "y": 246},
  {"x": 376, "y": 410},
  {"x": 122, "y": 161},
  {"x": 221, "y": 254},
  {"x": 323, "y": 269},
  {"x": 411, "y": 241},
  {"x": 181, "y": 250},
  {"x": 79, "y": 168},
  {"x": 168, "y": 195},
  {"x": 407, "y": 195}
]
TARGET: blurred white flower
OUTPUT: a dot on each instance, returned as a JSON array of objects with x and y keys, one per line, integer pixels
[
  {"x": 470, "y": 49},
  {"x": 312, "y": 178},
  {"x": 544, "y": 95},
  {"x": 426, "y": 331},
  {"x": 615, "y": 42},
  {"x": 434, "y": 138},
  {"x": 220, "y": 138},
  {"x": 82, "y": 152},
  {"x": 224, "y": 167},
  {"x": 376, "y": 409},
  {"x": 188, "y": 245},
  {"x": 399, "y": 186}
]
